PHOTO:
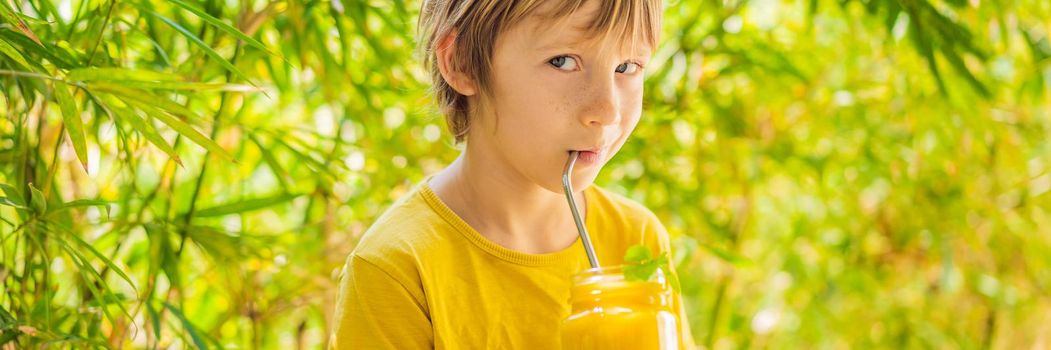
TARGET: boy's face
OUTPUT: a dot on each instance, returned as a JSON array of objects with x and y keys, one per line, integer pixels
[{"x": 557, "y": 88}]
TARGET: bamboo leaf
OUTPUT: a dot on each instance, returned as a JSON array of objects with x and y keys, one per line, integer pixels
[
  {"x": 13, "y": 194},
  {"x": 161, "y": 248},
  {"x": 32, "y": 20},
  {"x": 117, "y": 73},
  {"x": 37, "y": 200},
  {"x": 1039, "y": 47},
  {"x": 74, "y": 125},
  {"x": 8, "y": 335},
  {"x": 727, "y": 256},
  {"x": 188, "y": 326},
  {"x": 222, "y": 26},
  {"x": 957, "y": 63},
  {"x": 192, "y": 134},
  {"x": 221, "y": 245},
  {"x": 245, "y": 205},
  {"x": 155, "y": 320},
  {"x": 6, "y": 320},
  {"x": 279, "y": 172},
  {"x": 11, "y": 52},
  {"x": 10, "y": 203},
  {"x": 191, "y": 86},
  {"x": 83, "y": 267},
  {"x": 308, "y": 160},
  {"x": 60, "y": 58},
  {"x": 161, "y": 52},
  {"x": 144, "y": 128},
  {"x": 80, "y": 203},
  {"x": 142, "y": 79},
  {"x": 142, "y": 101},
  {"x": 10, "y": 16},
  {"x": 204, "y": 47},
  {"x": 109, "y": 263},
  {"x": 148, "y": 102},
  {"x": 923, "y": 44}
]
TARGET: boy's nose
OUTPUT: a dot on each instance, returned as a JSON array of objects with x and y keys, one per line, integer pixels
[{"x": 601, "y": 103}]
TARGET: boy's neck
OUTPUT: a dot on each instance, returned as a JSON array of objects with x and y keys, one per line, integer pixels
[{"x": 506, "y": 207}]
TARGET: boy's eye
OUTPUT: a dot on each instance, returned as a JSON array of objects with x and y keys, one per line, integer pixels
[
  {"x": 628, "y": 68},
  {"x": 565, "y": 63}
]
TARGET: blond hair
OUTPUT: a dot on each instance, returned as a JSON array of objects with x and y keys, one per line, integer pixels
[{"x": 477, "y": 23}]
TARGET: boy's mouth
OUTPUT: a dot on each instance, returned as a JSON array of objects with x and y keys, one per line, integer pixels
[{"x": 589, "y": 156}]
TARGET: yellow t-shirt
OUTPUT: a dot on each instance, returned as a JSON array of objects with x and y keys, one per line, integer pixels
[{"x": 421, "y": 278}]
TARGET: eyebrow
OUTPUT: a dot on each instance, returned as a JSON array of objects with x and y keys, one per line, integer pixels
[
  {"x": 559, "y": 44},
  {"x": 641, "y": 50},
  {"x": 577, "y": 34}
]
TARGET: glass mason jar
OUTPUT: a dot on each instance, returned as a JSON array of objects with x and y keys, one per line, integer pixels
[{"x": 611, "y": 312}]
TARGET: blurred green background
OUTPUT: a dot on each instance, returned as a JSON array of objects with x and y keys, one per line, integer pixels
[{"x": 836, "y": 174}]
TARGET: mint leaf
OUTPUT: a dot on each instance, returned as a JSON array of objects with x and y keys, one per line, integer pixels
[
  {"x": 637, "y": 254},
  {"x": 640, "y": 272},
  {"x": 641, "y": 265}
]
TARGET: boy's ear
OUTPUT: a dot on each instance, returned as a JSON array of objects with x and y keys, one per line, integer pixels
[{"x": 459, "y": 81}]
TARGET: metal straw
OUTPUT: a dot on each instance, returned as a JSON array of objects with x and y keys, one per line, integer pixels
[{"x": 567, "y": 187}]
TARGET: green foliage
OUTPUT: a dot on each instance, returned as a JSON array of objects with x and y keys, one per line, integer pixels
[{"x": 870, "y": 173}]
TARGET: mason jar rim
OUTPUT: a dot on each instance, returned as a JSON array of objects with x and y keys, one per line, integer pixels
[{"x": 603, "y": 273}]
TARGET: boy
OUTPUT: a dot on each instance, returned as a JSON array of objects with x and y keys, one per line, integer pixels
[{"x": 480, "y": 255}]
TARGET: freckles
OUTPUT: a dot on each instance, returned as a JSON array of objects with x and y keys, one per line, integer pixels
[
  {"x": 565, "y": 104},
  {"x": 555, "y": 102}
]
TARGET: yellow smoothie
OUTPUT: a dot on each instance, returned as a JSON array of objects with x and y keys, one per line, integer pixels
[{"x": 609, "y": 312}]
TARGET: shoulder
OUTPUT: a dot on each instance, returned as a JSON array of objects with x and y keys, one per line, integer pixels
[
  {"x": 618, "y": 209},
  {"x": 623, "y": 222},
  {"x": 400, "y": 237}
]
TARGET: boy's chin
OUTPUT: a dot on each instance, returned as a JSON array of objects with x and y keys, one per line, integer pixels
[{"x": 580, "y": 183}]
